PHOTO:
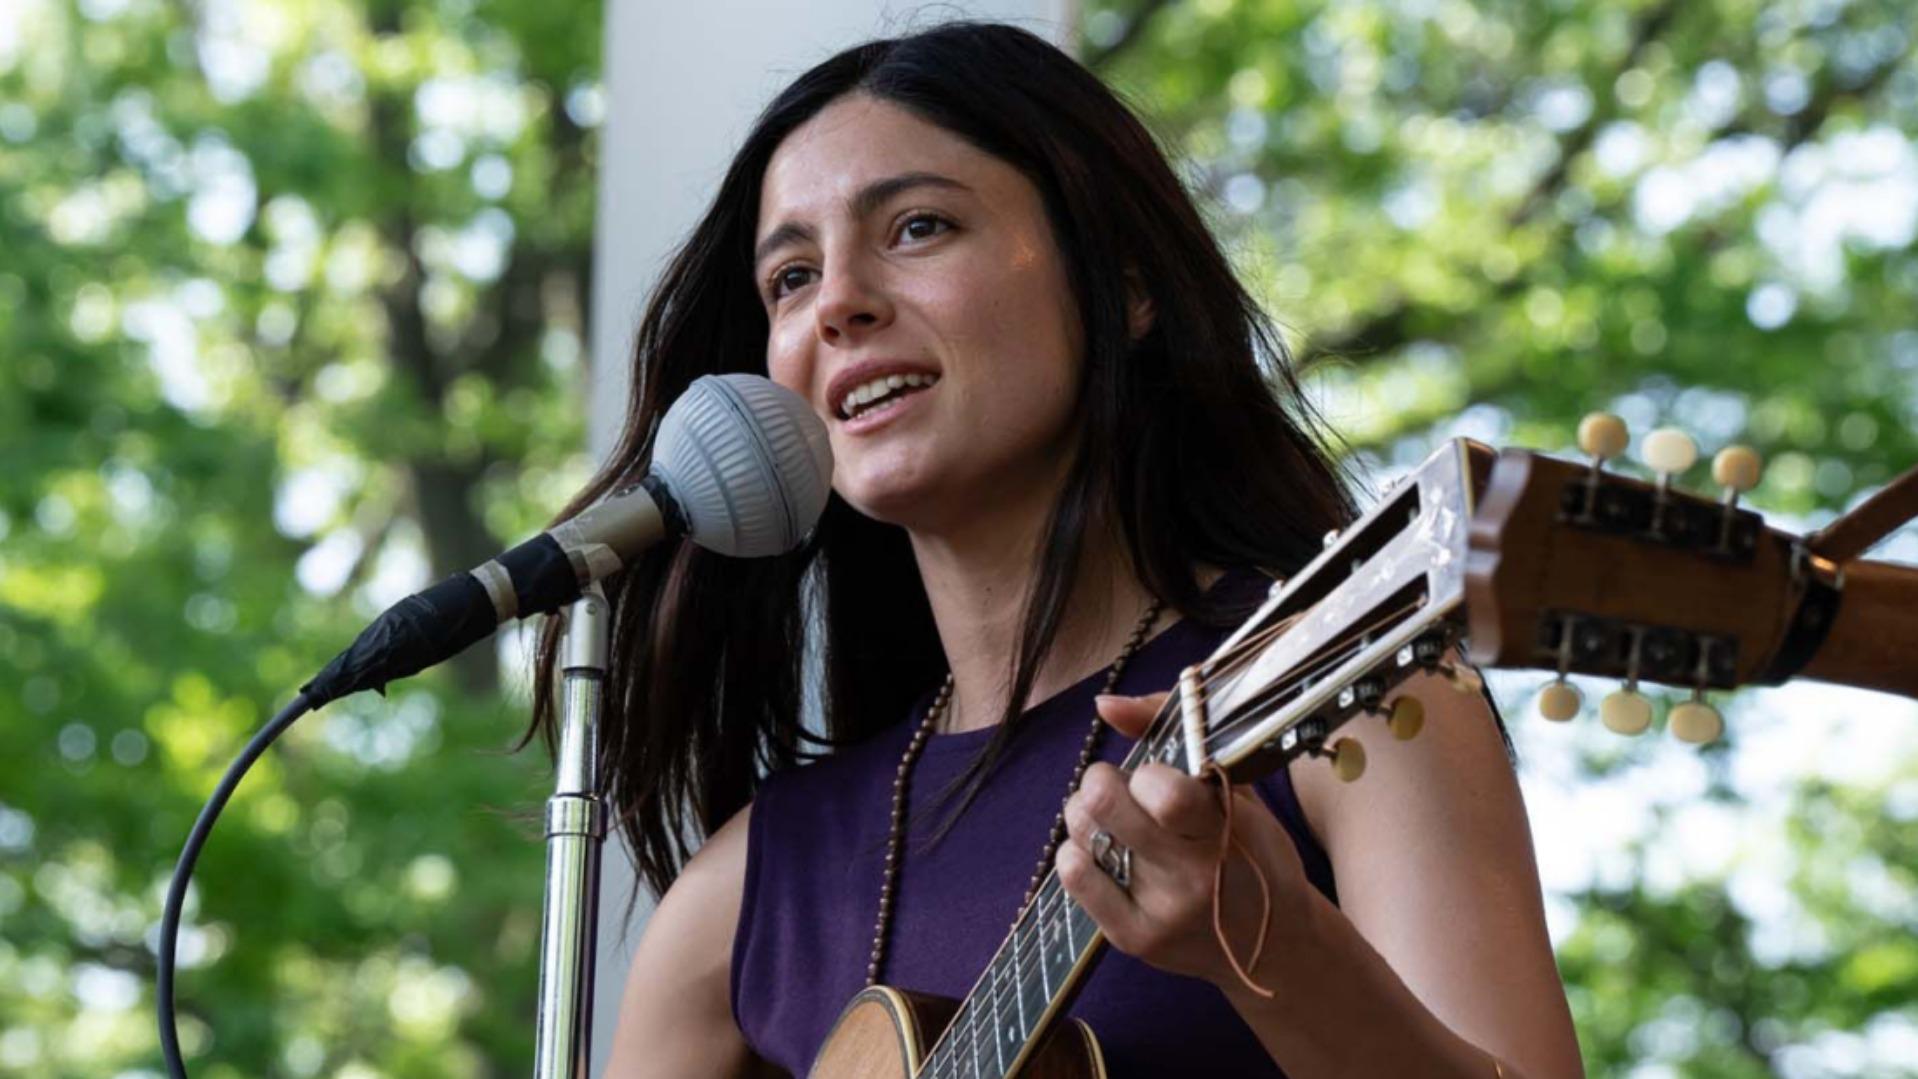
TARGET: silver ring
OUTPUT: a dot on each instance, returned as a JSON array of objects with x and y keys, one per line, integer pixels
[{"x": 1113, "y": 857}]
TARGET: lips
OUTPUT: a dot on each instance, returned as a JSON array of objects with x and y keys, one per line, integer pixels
[{"x": 859, "y": 374}]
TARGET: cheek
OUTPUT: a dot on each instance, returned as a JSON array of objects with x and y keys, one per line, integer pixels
[{"x": 786, "y": 364}]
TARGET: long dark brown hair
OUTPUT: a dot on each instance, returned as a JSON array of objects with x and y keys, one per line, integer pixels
[{"x": 1192, "y": 439}]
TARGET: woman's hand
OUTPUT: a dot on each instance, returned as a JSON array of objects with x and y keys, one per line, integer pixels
[{"x": 1174, "y": 825}]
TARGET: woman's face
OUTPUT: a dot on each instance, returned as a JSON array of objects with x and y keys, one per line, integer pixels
[{"x": 917, "y": 299}]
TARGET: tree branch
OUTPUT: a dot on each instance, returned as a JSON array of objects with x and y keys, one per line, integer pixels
[
  {"x": 1389, "y": 329},
  {"x": 1135, "y": 24}
]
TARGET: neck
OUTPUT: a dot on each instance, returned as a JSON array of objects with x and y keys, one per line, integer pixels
[{"x": 978, "y": 577}]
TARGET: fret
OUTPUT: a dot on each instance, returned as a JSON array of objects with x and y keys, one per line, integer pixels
[
  {"x": 1006, "y": 1033},
  {"x": 1082, "y": 927},
  {"x": 1038, "y": 943},
  {"x": 955, "y": 1050},
  {"x": 1059, "y": 955},
  {"x": 969, "y": 1046},
  {"x": 981, "y": 1063},
  {"x": 1016, "y": 990},
  {"x": 967, "y": 1049},
  {"x": 1035, "y": 990}
]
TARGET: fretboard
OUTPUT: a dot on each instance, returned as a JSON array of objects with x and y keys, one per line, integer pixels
[{"x": 1039, "y": 966}]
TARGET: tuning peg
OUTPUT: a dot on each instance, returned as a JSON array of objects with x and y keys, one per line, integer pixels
[
  {"x": 1736, "y": 469},
  {"x": 1348, "y": 759},
  {"x": 1602, "y": 435},
  {"x": 1669, "y": 451},
  {"x": 1625, "y": 711},
  {"x": 1560, "y": 700},
  {"x": 1406, "y": 718},
  {"x": 1696, "y": 722}
]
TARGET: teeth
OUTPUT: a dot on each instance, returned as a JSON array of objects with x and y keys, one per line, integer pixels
[{"x": 867, "y": 393}]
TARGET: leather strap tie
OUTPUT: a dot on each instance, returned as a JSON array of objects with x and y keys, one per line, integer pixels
[{"x": 1227, "y": 844}]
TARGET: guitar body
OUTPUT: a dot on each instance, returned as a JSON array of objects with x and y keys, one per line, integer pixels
[{"x": 885, "y": 1034}]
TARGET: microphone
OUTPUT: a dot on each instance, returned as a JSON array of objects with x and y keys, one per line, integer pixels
[{"x": 741, "y": 466}]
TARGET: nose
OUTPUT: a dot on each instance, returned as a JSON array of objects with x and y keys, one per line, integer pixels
[{"x": 850, "y": 305}]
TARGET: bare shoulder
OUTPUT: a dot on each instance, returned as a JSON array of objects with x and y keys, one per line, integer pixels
[
  {"x": 1441, "y": 818},
  {"x": 676, "y": 1017}
]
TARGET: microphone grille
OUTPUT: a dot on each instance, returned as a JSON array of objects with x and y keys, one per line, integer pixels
[{"x": 749, "y": 463}]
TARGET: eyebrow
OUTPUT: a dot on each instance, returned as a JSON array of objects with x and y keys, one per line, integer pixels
[{"x": 863, "y": 202}]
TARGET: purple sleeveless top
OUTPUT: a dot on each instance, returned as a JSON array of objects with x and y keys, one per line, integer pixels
[{"x": 814, "y": 860}]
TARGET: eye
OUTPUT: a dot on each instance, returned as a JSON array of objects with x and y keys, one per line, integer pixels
[
  {"x": 923, "y": 225},
  {"x": 785, "y": 279}
]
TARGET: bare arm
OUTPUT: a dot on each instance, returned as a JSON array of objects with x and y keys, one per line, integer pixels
[
  {"x": 676, "y": 1018},
  {"x": 1438, "y": 890},
  {"x": 1434, "y": 963}
]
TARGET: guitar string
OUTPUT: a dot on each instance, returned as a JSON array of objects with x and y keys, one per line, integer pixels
[
  {"x": 1032, "y": 939},
  {"x": 1026, "y": 943},
  {"x": 1261, "y": 704}
]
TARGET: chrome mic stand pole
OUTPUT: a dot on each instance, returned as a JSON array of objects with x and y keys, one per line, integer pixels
[{"x": 575, "y": 829}]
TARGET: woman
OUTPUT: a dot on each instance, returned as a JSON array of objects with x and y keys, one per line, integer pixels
[{"x": 1062, "y": 434}]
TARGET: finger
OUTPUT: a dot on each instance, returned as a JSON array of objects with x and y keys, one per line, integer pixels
[
  {"x": 1129, "y": 716},
  {"x": 1103, "y": 801},
  {"x": 1182, "y": 805},
  {"x": 1111, "y": 906}
]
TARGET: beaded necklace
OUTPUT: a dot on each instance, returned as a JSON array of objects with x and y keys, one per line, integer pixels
[{"x": 896, "y": 836}]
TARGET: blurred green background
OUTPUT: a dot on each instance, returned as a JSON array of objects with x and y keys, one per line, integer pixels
[{"x": 293, "y": 298}]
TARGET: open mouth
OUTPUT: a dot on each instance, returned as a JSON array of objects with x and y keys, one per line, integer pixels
[{"x": 881, "y": 394}]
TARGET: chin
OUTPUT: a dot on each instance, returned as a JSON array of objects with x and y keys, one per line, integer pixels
[{"x": 909, "y": 502}]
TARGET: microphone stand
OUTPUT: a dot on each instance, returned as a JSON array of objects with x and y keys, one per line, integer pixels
[{"x": 575, "y": 831}]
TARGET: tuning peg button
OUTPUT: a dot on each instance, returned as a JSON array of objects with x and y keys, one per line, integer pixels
[
  {"x": 1406, "y": 719},
  {"x": 1348, "y": 759},
  {"x": 1696, "y": 722},
  {"x": 1737, "y": 468},
  {"x": 1669, "y": 451},
  {"x": 1602, "y": 435},
  {"x": 1560, "y": 701},
  {"x": 1625, "y": 711}
]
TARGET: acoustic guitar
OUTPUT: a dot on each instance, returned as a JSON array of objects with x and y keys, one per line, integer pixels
[{"x": 1515, "y": 560}]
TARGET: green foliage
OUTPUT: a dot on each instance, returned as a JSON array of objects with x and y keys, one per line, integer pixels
[
  {"x": 294, "y": 296},
  {"x": 292, "y": 299},
  {"x": 1489, "y": 219}
]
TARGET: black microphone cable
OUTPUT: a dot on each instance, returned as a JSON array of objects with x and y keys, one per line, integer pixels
[
  {"x": 169, "y": 942},
  {"x": 756, "y": 465}
]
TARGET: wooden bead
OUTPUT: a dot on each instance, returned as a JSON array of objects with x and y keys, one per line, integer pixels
[
  {"x": 1560, "y": 701},
  {"x": 1625, "y": 712},
  {"x": 1696, "y": 722},
  {"x": 1406, "y": 719},
  {"x": 1602, "y": 435}
]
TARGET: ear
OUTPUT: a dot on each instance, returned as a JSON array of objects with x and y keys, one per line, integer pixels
[{"x": 1140, "y": 311}]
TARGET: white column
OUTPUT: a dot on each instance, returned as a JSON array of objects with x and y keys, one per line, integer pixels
[{"x": 683, "y": 82}]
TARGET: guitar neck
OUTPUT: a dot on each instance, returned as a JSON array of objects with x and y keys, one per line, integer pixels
[
  {"x": 1039, "y": 967},
  {"x": 1873, "y": 641}
]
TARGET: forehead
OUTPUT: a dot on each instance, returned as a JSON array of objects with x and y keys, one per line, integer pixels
[{"x": 857, "y": 140}]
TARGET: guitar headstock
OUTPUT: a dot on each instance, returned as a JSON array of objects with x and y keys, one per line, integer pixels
[
  {"x": 1378, "y": 604},
  {"x": 1575, "y": 569},
  {"x": 1528, "y": 561}
]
